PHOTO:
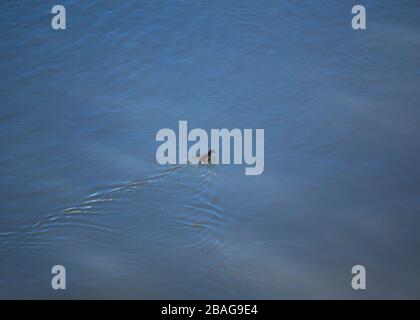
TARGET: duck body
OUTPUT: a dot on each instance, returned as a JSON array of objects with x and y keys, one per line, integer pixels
[{"x": 206, "y": 159}]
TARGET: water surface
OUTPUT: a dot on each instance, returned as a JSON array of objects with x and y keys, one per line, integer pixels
[{"x": 80, "y": 187}]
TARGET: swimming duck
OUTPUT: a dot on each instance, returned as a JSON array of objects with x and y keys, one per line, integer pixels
[{"x": 207, "y": 157}]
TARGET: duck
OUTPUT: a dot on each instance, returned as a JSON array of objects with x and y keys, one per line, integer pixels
[{"x": 206, "y": 159}]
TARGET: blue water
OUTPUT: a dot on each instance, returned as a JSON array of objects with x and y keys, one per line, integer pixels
[{"x": 80, "y": 186}]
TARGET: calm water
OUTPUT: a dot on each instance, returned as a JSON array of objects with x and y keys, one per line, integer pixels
[{"x": 80, "y": 186}]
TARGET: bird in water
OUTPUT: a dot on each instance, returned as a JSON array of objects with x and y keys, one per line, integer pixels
[{"x": 206, "y": 159}]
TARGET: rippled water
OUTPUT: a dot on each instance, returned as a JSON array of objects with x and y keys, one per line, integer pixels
[{"x": 81, "y": 187}]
